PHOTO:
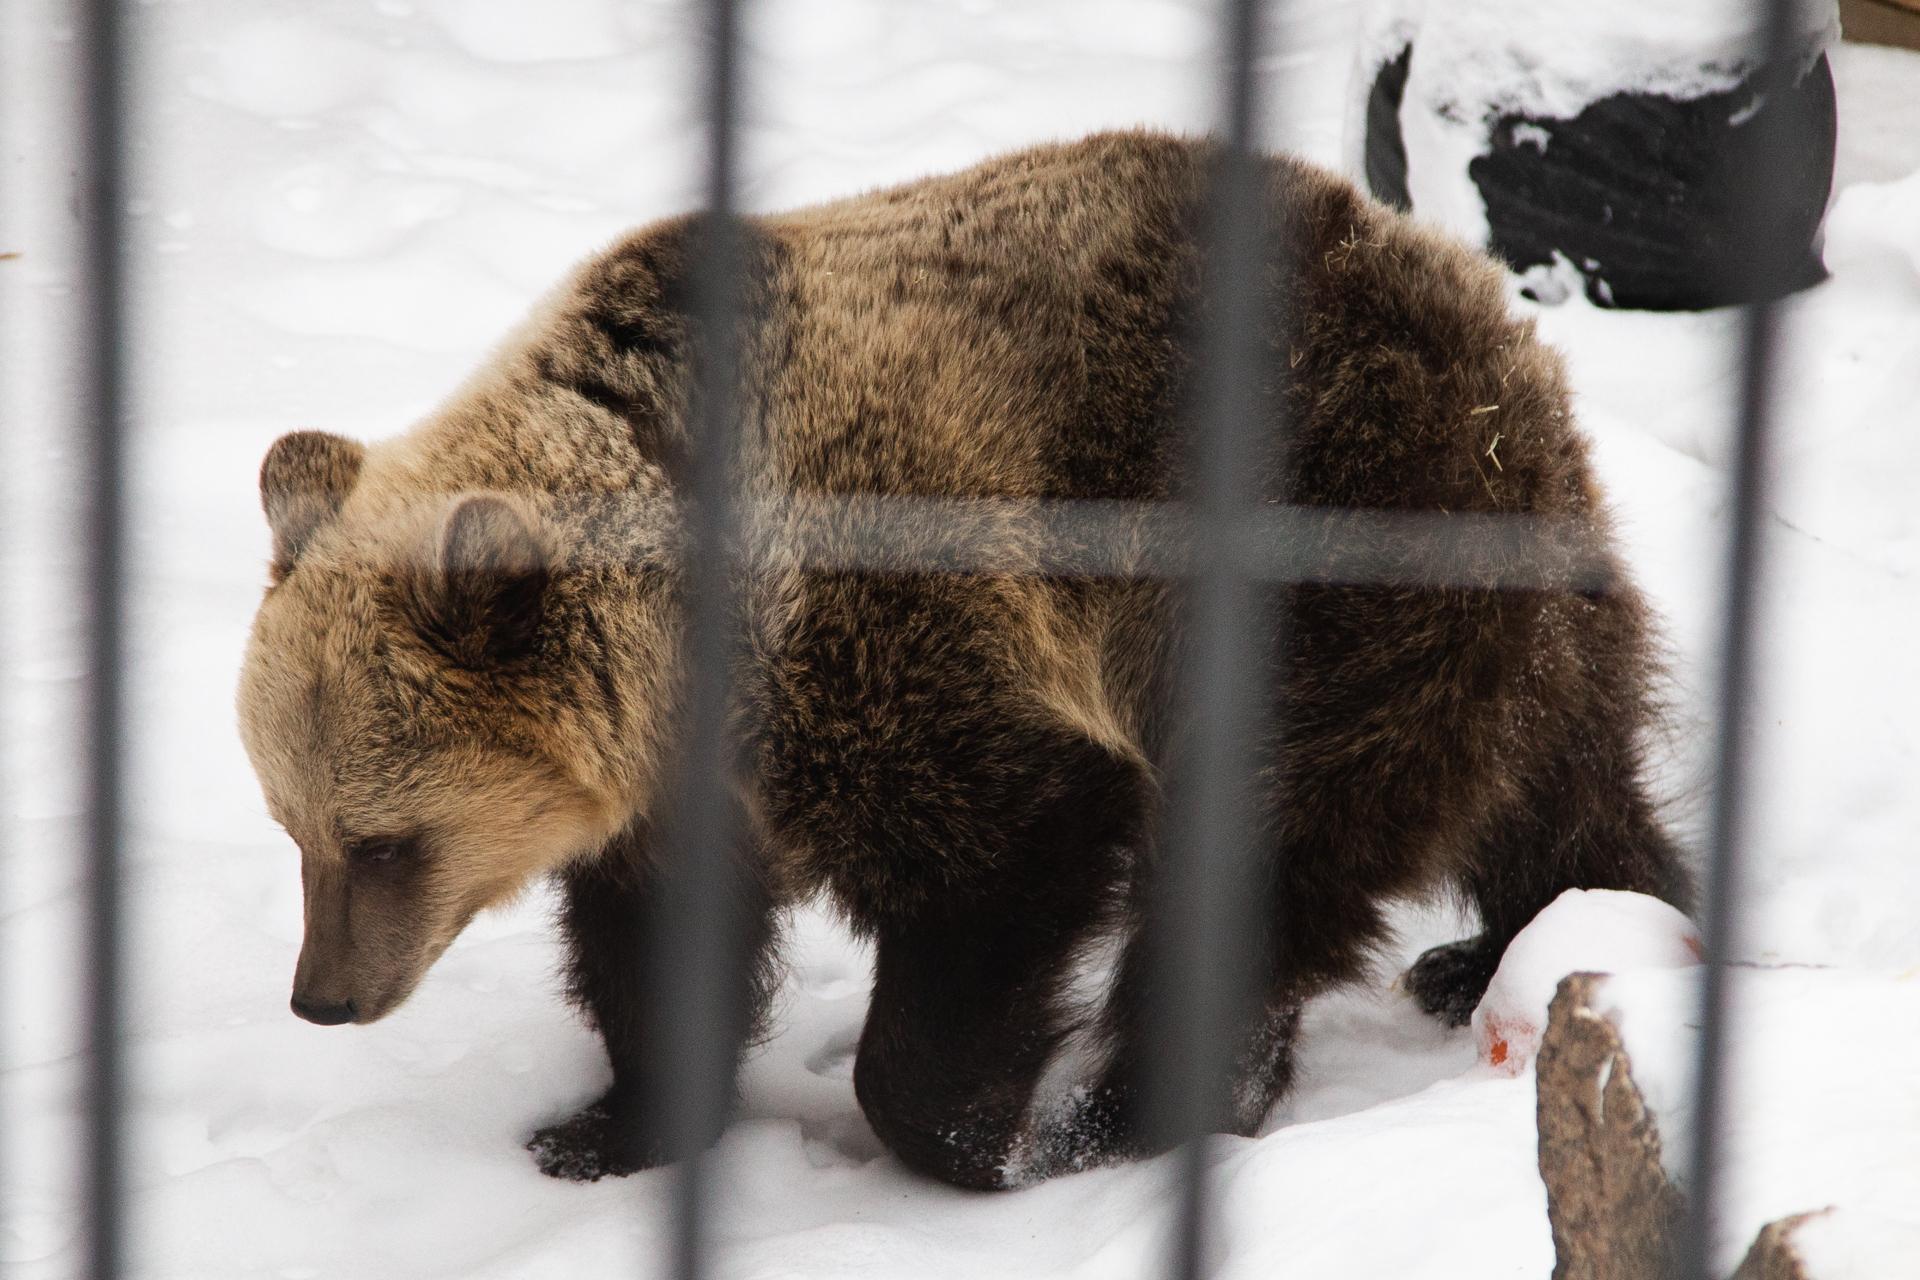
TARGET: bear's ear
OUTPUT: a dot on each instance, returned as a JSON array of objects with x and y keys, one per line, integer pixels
[
  {"x": 480, "y": 600},
  {"x": 304, "y": 478}
]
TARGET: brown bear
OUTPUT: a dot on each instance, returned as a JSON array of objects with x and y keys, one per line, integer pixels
[{"x": 467, "y": 669}]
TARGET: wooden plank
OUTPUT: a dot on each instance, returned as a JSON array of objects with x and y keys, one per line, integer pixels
[{"x": 1891, "y": 22}]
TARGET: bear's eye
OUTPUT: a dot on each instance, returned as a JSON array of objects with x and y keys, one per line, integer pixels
[{"x": 380, "y": 851}]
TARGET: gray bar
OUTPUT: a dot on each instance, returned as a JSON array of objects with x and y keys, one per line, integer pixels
[
  {"x": 1270, "y": 543},
  {"x": 1206, "y": 921},
  {"x": 701, "y": 941},
  {"x": 1720, "y": 902},
  {"x": 102, "y": 408},
  {"x": 1112, "y": 538}
]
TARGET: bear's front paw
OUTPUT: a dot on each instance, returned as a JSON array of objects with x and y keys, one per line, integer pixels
[{"x": 594, "y": 1142}]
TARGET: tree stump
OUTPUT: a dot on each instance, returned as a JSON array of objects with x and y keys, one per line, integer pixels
[{"x": 1615, "y": 1213}]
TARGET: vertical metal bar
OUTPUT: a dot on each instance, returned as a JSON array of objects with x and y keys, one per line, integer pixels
[
  {"x": 1208, "y": 901},
  {"x": 703, "y": 940},
  {"x": 102, "y": 407},
  {"x": 1767, "y": 256}
]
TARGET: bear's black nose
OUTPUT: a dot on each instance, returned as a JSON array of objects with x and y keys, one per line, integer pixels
[{"x": 326, "y": 1015}]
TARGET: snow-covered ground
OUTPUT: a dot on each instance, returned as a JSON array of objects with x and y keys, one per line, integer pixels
[{"x": 339, "y": 206}]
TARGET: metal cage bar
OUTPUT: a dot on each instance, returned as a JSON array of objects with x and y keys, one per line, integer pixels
[
  {"x": 102, "y": 411},
  {"x": 702, "y": 941},
  {"x": 1768, "y": 258},
  {"x": 1271, "y": 543},
  {"x": 1208, "y": 928}
]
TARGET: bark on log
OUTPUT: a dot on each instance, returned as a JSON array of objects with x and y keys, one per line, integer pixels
[
  {"x": 1614, "y": 1212},
  {"x": 1773, "y": 1256}
]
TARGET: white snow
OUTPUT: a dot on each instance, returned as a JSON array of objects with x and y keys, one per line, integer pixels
[
  {"x": 1821, "y": 1109},
  {"x": 341, "y": 207},
  {"x": 1876, "y": 226},
  {"x": 1848, "y": 1244},
  {"x": 1582, "y": 931}
]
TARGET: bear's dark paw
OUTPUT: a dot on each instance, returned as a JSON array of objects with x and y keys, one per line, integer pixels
[
  {"x": 591, "y": 1144},
  {"x": 1449, "y": 981}
]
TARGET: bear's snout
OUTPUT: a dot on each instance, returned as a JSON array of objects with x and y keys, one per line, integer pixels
[{"x": 320, "y": 1013}]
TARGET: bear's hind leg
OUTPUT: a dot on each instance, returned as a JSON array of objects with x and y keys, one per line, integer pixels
[
  {"x": 1585, "y": 823},
  {"x": 1113, "y": 1113},
  {"x": 1448, "y": 981},
  {"x": 977, "y": 992},
  {"x": 961, "y": 1027},
  {"x": 1029, "y": 1059}
]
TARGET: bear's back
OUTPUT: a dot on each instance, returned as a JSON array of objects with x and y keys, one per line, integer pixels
[
  {"x": 1013, "y": 330},
  {"x": 1026, "y": 328}
]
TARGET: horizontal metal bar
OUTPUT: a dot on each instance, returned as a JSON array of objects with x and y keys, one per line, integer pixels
[{"x": 1274, "y": 543}]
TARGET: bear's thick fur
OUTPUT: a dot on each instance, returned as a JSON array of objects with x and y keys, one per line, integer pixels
[{"x": 466, "y": 671}]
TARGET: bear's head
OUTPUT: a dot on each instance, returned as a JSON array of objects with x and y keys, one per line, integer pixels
[{"x": 434, "y": 713}]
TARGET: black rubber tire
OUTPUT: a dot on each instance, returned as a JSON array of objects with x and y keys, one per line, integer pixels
[{"x": 1638, "y": 191}]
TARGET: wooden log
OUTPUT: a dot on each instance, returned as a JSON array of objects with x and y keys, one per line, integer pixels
[
  {"x": 1614, "y": 1212},
  {"x": 1893, "y": 22},
  {"x": 1773, "y": 1255}
]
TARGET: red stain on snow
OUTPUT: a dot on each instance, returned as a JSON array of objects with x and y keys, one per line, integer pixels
[{"x": 1507, "y": 1043}]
